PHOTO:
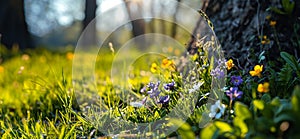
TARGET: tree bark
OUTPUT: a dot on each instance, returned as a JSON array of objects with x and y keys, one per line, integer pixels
[
  {"x": 241, "y": 20},
  {"x": 13, "y": 27},
  {"x": 88, "y": 24},
  {"x": 191, "y": 47},
  {"x": 162, "y": 27},
  {"x": 240, "y": 25},
  {"x": 138, "y": 26},
  {"x": 152, "y": 22}
]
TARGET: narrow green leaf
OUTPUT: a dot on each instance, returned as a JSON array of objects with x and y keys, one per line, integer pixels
[
  {"x": 285, "y": 74},
  {"x": 71, "y": 131},
  {"x": 288, "y": 6},
  {"x": 62, "y": 132},
  {"x": 53, "y": 127},
  {"x": 276, "y": 10},
  {"x": 290, "y": 60}
]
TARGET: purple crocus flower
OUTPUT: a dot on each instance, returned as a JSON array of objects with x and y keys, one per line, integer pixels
[
  {"x": 222, "y": 63},
  {"x": 234, "y": 93},
  {"x": 170, "y": 86},
  {"x": 154, "y": 90},
  {"x": 144, "y": 89},
  {"x": 217, "y": 72},
  {"x": 152, "y": 85},
  {"x": 164, "y": 99},
  {"x": 236, "y": 80}
]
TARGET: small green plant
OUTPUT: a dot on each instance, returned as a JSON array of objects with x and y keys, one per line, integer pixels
[
  {"x": 287, "y": 7},
  {"x": 292, "y": 62},
  {"x": 264, "y": 118}
]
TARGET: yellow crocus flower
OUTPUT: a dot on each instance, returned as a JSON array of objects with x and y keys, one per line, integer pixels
[
  {"x": 229, "y": 64},
  {"x": 257, "y": 70},
  {"x": 153, "y": 68},
  {"x": 263, "y": 88}
]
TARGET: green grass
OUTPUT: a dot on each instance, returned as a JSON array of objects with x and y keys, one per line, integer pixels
[
  {"x": 36, "y": 96},
  {"x": 40, "y": 98}
]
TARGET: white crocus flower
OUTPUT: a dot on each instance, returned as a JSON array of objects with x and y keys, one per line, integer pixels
[
  {"x": 196, "y": 87},
  {"x": 217, "y": 110},
  {"x": 136, "y": 104}
]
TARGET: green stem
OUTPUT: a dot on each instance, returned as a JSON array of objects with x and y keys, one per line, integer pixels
[{"x": 276, "y": 38}]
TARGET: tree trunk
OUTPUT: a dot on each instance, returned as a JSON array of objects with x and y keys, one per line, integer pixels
[
  {"x": 162, "y": 27},
  {"x": 152, "y": 22},
  {"x": 13, "y": 27},
  {"x": 240, "y": 25},
  {"x": 89, "y": 26},
  {"x": 234, "y": 26},
  {"x": 138, "y": 26},
  {"x": 192, "y": 48}
]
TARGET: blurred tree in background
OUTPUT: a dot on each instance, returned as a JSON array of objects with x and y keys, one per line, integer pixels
[
  {"x": 13, "y": 27},
  {"x": 57, "y": 23},
  {"x": 134, "y": 9},
  {"x": 90, "y": 14}
]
